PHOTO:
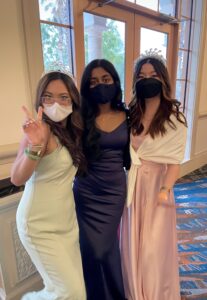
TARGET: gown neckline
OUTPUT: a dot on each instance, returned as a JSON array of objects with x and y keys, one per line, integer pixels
[{"x": 116, "y": 128}]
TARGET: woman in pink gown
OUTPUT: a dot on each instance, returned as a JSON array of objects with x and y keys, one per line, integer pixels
[{"x": 148, "y": 231}]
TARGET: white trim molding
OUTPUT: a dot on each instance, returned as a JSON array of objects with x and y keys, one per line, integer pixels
[{"x": 18, "y": 272}]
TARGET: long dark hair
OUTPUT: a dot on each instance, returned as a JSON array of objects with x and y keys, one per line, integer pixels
[
  {"x": 71, "y": 135},
  {"x": 90, "y": 110},
  {"x": 168, "y": 105}
]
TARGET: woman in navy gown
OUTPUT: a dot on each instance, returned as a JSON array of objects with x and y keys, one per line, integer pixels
[{"x": 100, "y": 193}]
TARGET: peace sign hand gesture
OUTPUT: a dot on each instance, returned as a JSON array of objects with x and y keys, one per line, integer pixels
[{"x": 36, "y": 131}]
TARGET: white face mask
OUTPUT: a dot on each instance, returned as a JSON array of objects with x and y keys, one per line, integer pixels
[{"x": 57, "y": 112}]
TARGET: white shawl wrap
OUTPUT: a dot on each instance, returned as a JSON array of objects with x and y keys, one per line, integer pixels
[{"x": 166, "y": 149}]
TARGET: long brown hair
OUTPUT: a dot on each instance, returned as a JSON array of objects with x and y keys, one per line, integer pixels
[
  {"x": 168, "y": 105},
  {"x": 71, "y": 135}
]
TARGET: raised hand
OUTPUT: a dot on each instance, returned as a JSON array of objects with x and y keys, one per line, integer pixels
[{"x": 35, "y": 130}]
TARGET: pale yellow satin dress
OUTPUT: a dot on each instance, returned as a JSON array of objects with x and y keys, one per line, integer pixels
[
  {"x": 148, "y": 238},
  {"x": 47, "y": 226}
]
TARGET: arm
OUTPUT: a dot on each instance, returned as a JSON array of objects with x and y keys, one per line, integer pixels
[
  {"x": 36, "y": 133},
  {"x": 171, "y": 176},
  {"x": 23, "y": 166}
]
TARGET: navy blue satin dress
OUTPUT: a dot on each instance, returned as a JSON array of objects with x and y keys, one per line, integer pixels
[{"x": 100, "y": 198}]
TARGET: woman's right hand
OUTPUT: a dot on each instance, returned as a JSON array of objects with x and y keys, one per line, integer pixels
[
  {"x": 36, "y": 131},
  {"x": 164, "y": 199}
]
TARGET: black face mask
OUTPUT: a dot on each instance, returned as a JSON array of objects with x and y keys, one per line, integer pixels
[
  {"x": 148, "y": 88},
  {"x": 103, "y": 93}
]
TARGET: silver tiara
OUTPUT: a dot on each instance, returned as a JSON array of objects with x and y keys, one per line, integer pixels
[
  {"x": 58, "y": 67},
  {"x": 152, "y": 53}
]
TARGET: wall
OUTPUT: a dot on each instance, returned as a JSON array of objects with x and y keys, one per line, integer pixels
[
  {"x": 198, "y": 91},
  {"x": 19, "y": 274},
  {"x": 15, "y": 90},
  {"x": 201, "y": 136}
]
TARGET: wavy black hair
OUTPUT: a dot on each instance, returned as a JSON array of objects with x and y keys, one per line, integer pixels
[{"x": 90, "y": 110}]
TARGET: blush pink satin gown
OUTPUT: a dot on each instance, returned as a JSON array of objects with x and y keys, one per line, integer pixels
[{"x": 148, "y": 238}]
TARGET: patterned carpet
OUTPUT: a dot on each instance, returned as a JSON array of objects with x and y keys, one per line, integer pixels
[{"x": 191, "y": 201}]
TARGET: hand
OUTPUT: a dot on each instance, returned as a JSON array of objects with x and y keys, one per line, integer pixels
[
  {"x": 35, "y": 130},
  {"x": 163, "y": 199}
]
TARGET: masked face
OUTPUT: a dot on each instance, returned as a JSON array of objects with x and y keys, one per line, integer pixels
[
  {"x": 57, "y": 112},
  {"x": 148, "y": 88},
  {"x": 102, "y": 93}
]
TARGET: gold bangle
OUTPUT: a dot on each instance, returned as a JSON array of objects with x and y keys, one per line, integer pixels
[
  {"x": 35, "y": 149},
  {"x": 31, "y": 155},
  {"x": 164, "y": 189}
]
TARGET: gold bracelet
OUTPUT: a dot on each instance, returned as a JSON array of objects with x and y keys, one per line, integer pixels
[
  {"x": 35, "y": 149},
  {"x": 31, "y": 155},
  {"x": 165, "y": 189}
]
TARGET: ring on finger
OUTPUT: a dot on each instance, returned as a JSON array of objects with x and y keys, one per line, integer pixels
[
  {"x": 27, "y": 123},
  {"x": 30, "y": 121}
]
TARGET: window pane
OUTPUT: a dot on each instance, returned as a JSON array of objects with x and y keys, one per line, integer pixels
[
  {"x": 184, "y": 34},
  {"x": 105, "y": 38},
  {"x": 54, "y": 11},
  {"x": 167, "y": 7},
  {"x": 186, "y": 8},
  {"x": 56, "y": 44},
  {"x": 152, "y": 4},
  {"x": 180, "y": 90},
  {"x": 182, "y": 64},
  {"x": 153, "y": 39}
]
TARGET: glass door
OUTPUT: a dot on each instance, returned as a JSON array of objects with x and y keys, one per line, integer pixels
[
  {"x": 119, "y": 35},
  {"x": 107, "y": 33},
  {"x": 104, "y": 37}
]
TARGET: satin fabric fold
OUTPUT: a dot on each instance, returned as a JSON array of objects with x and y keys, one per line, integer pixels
[
  {"x": 148, "y": 230},
  {"x": 167, "y": 149},
  {"x": 148, "y": 240}
]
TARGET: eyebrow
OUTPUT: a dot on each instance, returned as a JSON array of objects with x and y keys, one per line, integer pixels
[
  {"x": 150, "y": 72},
  {"x": 104, "y": 76},
  {"x": 46, "y": 92},
  {"x": 65, "y": 93}
]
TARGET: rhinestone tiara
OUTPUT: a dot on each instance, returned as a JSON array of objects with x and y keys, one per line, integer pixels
[
  {"x": 58, "y": 67},
  {"x": 152, "y": 53}
]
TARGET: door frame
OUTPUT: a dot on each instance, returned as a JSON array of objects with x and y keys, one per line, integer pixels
[
  {"x": 107, "y": 12},
  {"x": 133, "y": 22}
]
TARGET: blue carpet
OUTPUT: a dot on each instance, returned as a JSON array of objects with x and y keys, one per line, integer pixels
[{"x": 191, "y": 206}]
